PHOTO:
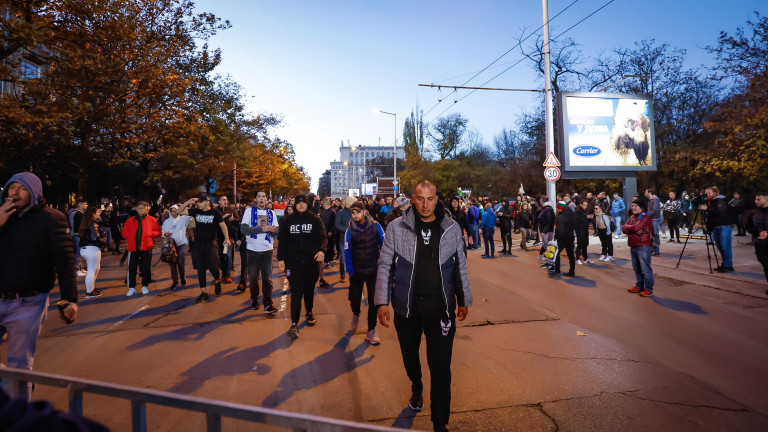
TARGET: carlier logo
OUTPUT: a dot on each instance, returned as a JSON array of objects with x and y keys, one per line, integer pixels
[{"x": 586, "y": 151}]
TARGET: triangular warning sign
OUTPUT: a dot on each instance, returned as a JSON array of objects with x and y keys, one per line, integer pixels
[{"x": 551, "y": 160}]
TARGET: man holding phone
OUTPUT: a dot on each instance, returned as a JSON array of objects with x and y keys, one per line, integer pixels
[{"x": 35, "y": 249}]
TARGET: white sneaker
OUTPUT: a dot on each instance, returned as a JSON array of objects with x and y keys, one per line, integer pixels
[
  {"x": 541, "y": 258},
  {"x": 131, "y": 291},
  {"x": 81, "y": 273},
  {"x": 144, "y": 290},
  {"x": 578, "y": 261},
  {"x": 589, "y": 261},
  {"x": 608, "y": 258},
  {"x": 602, "y": 257},
  {"x": 372, "y": 338}
]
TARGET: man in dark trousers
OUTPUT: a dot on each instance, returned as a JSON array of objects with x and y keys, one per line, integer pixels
[
  {"x": 564, "y": 228},
  {"x": 757, "y": 225},
  {"x": 36, "y": 249},
  {"x": 300, "y": 252},
  {"x": 259, "y": 225},
  {"x": 423, "y": 273},
  {"x": 205, "y": 256}
]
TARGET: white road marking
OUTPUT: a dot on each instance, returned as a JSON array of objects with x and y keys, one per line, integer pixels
[{"x": 128, "y": 317}]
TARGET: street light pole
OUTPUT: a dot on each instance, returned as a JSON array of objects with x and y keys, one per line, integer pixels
[
  {"x": 550, "y": 128},
  {"x": 395, "y": 155}
]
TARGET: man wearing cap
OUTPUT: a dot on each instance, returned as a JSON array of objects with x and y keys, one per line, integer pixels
[
  {"x": 259, "y": 226},
  {"x": 639, "y": 231},
  {"x": 422, "y": 271},
  {"x": 176, "y": 227},
  {"x": 36, "y": 249},
  {"x": 401, "y": 205},
  {"x": 140, "y": 232},
  {"x": 362, "y": 243},
  {"x": 205, "y": 253},
  {"x": 341, "y": 224},
  {"x": 300, "y": 253}
]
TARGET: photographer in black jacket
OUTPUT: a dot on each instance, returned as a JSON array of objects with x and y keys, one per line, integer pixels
[
  {"x": 35, "y": 249},
  {"x": 757, "y": 225},
  {"x": 719, "y": 224}
]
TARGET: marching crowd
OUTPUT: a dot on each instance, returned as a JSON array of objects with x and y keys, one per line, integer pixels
[{"x": 410, "y": 253}]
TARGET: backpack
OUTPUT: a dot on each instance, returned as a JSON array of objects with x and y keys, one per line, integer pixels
[{"x": 168, "y": 251}]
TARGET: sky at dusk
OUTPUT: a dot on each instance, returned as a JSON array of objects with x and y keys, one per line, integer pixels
[{"x": 325, "y": 65}]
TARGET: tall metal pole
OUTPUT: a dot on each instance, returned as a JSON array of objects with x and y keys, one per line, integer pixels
[
  {"x": 394, "y": 192},
  {"x": 234, "y": 184},
  {"x": 551, "y": 189}
]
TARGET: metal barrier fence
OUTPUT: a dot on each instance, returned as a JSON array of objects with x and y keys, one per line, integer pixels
[{"x": 214, "y": 410}]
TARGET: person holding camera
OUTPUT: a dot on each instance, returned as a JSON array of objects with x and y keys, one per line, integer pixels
[
  {"x": 640, "y": 240},
  {"x": 718, "y": 221}
]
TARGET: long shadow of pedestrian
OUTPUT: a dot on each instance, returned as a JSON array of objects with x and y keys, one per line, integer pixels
[
  {"x": 405, "y": 419},
  {"x": 230, "y": 362},
  {"x": 194, "y": 332},
  {"x": 324, "y": 368},
  {"x": 580, "y": 281},
  {"x": 679, "y": 305},
  {"x": 170, "y": 309}
]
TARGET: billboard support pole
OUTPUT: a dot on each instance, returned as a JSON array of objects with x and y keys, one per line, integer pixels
[
  {"x": 630, "y": 190},
  {"x": 550, "y": 130}
]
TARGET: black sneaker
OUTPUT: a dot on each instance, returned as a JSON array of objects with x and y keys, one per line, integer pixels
[
  {"x": 174, "y": 285},
  {"x": 202, "y": 297},
  {"x": 255, "y": 304},
  {"x": 241, "y": 287},
  {"x": 311, "y": 321},
  {"x": 217, "y": 288},
  {"x": 293, "y": 332},
  {"x": 270, "y": 310},
  {"x": 416, "y": 402},
  {"x": 324, "y": 284},
  {"x": 183, "y": 281},
  {"x": 570, "y": 274},
  {"x": 93, "y": 294},
  {"x": 722, "y": 269}
]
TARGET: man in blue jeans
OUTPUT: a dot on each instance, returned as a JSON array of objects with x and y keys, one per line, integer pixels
[
  {"x": 488, "y": 224},
  {"x": 473, "y": 221},
  {"x": 40, "y": 240},
  {"x": 617, "y": 213},
  {"x": 719, "y": 224}
]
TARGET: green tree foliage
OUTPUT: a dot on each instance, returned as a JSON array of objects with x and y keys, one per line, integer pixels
[
  {"x": 126, "y": 81},
  {"x": 446, "y": 135},
  {"x": 737, "y": 130}
]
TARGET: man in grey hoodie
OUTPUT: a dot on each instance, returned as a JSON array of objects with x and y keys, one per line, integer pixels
[
  {"x": 35, "y": 249},
  {"x": 422, "y": 270}
]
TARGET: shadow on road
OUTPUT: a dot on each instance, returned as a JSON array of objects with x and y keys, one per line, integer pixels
[
  {"x": 194, "y": 332},
  {"x": 580, "y": 281},
  {"x": 323, "y": 369},
  {"x": 228, "y": 362},
  {"x": 679, "y": 305},
  {"x": 405, "y": 419}
]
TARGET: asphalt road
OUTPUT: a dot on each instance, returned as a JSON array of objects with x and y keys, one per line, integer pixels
[{"x": 536, "y": 353}]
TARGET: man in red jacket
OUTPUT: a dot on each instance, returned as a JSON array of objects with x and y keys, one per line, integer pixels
[
  {"x": 140, "y": 232},
  {"x": 639, "y": 231}
]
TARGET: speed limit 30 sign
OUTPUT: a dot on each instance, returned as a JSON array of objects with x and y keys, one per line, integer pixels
[{"x": 552, "y": 173}]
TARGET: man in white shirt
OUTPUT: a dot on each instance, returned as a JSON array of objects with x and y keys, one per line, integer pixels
[
  {"x": 259, "y": 226},
  {"x": 176, "y": 227}
]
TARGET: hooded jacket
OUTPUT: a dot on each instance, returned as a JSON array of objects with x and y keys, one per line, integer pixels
[
  {"x": 547, "y": 218},
  {"x": 397, "y": 263},
  {"x": 302, "y": 236},
  {"x": 149, "y": 231},
  {"x": 36, "y": 246}
]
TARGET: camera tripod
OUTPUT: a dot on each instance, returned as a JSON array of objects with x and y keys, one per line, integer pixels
[{"x": 708, "y": 240}]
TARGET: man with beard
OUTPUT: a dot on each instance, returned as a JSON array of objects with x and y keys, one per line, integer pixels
[{"x": 259, "y": 226}]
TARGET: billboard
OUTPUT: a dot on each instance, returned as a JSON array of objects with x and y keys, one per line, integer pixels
[{"x": 606, "y": 132}]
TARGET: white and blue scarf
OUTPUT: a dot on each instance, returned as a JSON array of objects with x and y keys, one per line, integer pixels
[{"x": 255, "y": 222}]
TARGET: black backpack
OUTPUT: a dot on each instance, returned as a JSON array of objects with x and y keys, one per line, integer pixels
[{"x": 168, "y": 251}]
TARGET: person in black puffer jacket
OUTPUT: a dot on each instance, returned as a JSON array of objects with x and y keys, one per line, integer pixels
[
  {"x": 719, "y": 225},
  {"x": 363, "y": 241},
  {"x": 564, "y": 235},
  {"x": 300, "y": 249},
  {"x": 36, "y": 249}
]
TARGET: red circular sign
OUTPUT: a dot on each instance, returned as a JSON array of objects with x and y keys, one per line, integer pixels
[{"x": 552, "y": 173}]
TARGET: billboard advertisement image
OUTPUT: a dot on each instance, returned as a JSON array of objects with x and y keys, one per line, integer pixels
[{"x": 606, "y": 132}]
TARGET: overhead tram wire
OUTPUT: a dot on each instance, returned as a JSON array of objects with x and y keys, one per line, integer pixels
[
  {"x": 505, "y": 70},
  {"x": 507, "y": 52}
]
